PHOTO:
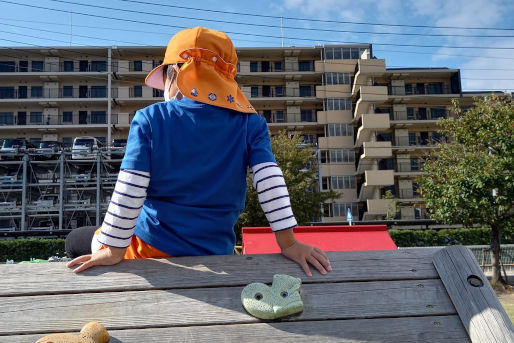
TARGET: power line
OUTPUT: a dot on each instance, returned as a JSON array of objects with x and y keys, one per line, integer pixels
[
  {"x": 113, "y": 29},
  {"x": 138, "y": 44},
  {"x": 258, "y": 35},
  {"x": 318, "y": 20},
  {"x": 279, "y": 26}
]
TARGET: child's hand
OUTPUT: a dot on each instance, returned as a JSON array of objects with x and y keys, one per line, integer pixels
[
  {"x": 303, "y": 254},
  {"x": 102, "y": 257}
]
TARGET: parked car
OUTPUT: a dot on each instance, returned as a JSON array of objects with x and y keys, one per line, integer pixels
[
  {"x": 14, "y": 148},
  {"x": 49, "y": 149},
  {"x": 85, "y": 148},
  {"x": 118, "y": 148}
]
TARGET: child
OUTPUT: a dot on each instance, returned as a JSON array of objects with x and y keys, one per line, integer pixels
[{"x": 182, "y": 182}]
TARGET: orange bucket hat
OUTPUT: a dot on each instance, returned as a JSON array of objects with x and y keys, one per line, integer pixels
[{"x": 208, "y": 71}]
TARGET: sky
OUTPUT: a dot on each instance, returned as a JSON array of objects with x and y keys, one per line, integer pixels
[{"x": 475, "y": 36}]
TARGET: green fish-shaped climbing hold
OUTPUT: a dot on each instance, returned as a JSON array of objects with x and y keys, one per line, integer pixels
[{"x": 280, "y": 300}]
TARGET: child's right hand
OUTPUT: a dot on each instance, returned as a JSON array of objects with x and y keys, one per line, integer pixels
[{"x": 103, "y": 257}]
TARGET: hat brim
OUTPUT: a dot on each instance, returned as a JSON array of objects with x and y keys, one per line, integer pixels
[
  {"x": 155, "y": 78},
  {"x": 203, "y": 83}
]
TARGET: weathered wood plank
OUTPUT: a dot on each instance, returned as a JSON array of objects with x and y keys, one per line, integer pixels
[
  {"x": 212, "y": 306},
  {"x": 443, "y": 329},
  {"x": 209, "y": 271},
  {"x": 479, "y": 309}
]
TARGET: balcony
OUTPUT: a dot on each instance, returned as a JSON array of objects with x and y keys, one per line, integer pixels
[
  {"x": 429, "y": 92},
  {"x": 10, "y": 94},
  {"x": 365, "y": 69},
  {"x": 53, "y": 67},
  {"x": 378, "y": 208},
  {"x": 366, "y": 96},
  {"x": 280, "y": 118},
  {"x": 373, "y": 180},
  {"x": 371, "y": 122},
  {"x": 408, "y": 194},
  {"x": 40, "y": 120},
  {"x": 333, "y": 91},
  {"x": 418, "y": 117},
  {"x": 370, "y": 152},
  {"x": 419, "y": 141}
]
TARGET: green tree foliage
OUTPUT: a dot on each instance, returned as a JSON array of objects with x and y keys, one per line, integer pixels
[
  {"x": 470, "y": 179},
  {"x": 299, "y": 165}
]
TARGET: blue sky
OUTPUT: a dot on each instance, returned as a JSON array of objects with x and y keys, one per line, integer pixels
[{"x": 481, "y": 68}]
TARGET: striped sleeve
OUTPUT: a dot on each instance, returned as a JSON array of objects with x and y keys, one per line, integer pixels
[
  {"x": 271, "y": 188},
  {"x": 126, "y": 204}
]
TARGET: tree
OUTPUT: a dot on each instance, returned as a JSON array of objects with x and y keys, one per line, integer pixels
[
  {"x": 299, "y": 165},
  {"x": 469, "y": 180}
]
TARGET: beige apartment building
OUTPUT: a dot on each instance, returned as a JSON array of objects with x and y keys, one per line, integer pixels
[{"x": 370, "y": 125}]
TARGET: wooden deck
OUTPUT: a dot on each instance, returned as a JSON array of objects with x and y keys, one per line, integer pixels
[{"x": 411, "y": 295}]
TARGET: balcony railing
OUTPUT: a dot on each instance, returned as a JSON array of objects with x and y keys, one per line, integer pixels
[
  {"x": 53, "y": 93},
  {"x": 430, "y": 140},
  {"x": 278, "y": 118},
  {"x": 45, "y": 67},
  {"x": 424, "y": 89},
  {"x": 38, "y": 118},
  {"x": 419, "y": 115},
  {"x": 276, "y": 92}
]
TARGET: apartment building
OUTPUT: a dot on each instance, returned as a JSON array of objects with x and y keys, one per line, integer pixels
[{"x": 370, "y": 125}]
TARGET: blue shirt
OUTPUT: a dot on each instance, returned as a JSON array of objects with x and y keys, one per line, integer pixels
[{"x": 197, "y": 155}]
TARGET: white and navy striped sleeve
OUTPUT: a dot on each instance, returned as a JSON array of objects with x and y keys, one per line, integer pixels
[
  {"x": 271, "y": 188},
  {"x": 125, "y": 206}
]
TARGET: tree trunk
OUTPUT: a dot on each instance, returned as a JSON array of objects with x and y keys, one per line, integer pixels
[{"x": 495, "y": 256}]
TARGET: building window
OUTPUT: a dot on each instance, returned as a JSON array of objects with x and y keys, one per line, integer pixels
[
  {"x": 157, "y": 93},
  {"x": 279, "y": 115},
  {"x": 6, "y": 118},
  {"x": 343, "y": 182},
  {"x": 254, "y": 67},
  {"x": 306, "y": 115},
  {"x": 337, "y": 53},
  {"x": 435, "y": 88},
  {"x": 304, "y": 66},
  {"x": 265, "y": 67},
  {"x": 278, "y": 66},
  {"x": 99, "y": 66},
  {"x": 339, "y": 129},
  {"x": 338, "y": 104},
  {"x": 7, "y": 66},
  {"x": 67, "y": 117},
  {"x": 306, "y": 91},
  {"x": 6, "y": 92},
  {"x": 37, "y": 66},
  {"x": 254, "y": 92},
  {"x": 98, "y": 91},
  {"x": 437, "y": 112},
  {"x": 23, "y": 66},
  {"x": 98, "y": 117},
  {"x": 36, "y": 117},
  {"x": 341, "y": 209},
  {"x": 67, "y": 91},
  {"x": 68, "y": 66},
  {"x": 412, "y": 139},
  {"x": 408, "y": 89},
  {"x": 137, "y": 92},
  {"x": 337, "y": 156},
  {"x": 36, "y": 92},
  {"x": 138, "y": 65},
  {"x": 337, "y": 78},
  {"x": 84, "y": 65},
  {"x": 279, "y": 91},
  {"x": 266, "y": 91}
]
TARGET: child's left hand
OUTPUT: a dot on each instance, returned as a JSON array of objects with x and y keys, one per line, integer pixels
[{"x": 303, "y": 254}]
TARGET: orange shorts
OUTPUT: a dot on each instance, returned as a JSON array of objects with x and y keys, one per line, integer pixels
[{"x": 139, "y": 249}]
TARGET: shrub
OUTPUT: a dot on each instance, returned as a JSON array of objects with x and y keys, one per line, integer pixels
[
  {"x": 23, "y": 249},
  {"x": 469, "y": 236}
]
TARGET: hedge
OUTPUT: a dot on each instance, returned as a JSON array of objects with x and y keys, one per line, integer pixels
[
  {"x": 427, "y": 238},
  {"x": 24, "y": 249}
]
